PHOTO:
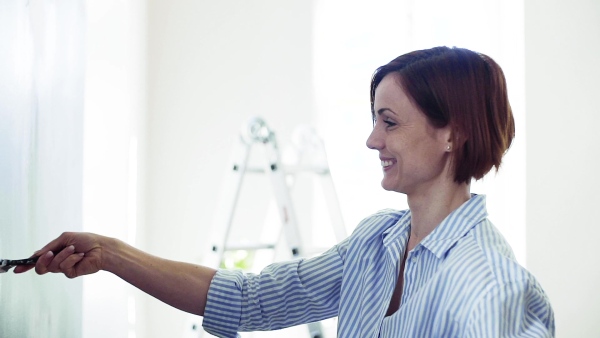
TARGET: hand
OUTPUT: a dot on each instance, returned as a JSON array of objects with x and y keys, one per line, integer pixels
[{"x": 73, "y": 254}]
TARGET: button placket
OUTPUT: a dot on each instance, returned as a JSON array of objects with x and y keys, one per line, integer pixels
[
  {"x": 410, "y": 273},
  {"x": 414, "y": 255}
]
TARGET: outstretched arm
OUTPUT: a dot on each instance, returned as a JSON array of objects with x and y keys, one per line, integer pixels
[{"x": 178, "y": 284}]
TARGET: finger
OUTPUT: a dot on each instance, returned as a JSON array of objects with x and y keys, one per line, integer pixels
[
  {"x": 23, "y": 268},
  {"x": 41, "y": 267},
  {"x": 59, "y": 243},
  {"x": 68, "y": 265},
  {"x": 54, "y": 265}
]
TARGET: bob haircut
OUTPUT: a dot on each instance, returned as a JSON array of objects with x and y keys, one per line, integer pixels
[{"x": 463, "y": 89}]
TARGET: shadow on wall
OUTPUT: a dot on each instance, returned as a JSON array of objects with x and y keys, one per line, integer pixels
[{"x": 41, "y": 103}]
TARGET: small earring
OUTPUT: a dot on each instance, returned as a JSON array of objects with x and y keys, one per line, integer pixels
[{"x": 448, "y": 148}]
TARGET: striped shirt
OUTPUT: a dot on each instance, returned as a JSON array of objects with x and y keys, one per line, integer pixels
[{"x": 462, "y": 280}]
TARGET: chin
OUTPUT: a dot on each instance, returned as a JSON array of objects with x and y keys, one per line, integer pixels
[{"x": 388, "y": 186}]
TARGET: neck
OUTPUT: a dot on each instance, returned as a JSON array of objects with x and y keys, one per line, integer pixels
[{"x": 428, "y": 210}]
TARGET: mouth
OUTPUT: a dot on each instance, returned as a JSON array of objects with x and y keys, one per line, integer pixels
[{"x": 386, "y": 163}]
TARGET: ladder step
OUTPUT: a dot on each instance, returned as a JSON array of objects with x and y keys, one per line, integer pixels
[
  {"x": 291, "y": 170},
  {"x": 233, "y": 247}
]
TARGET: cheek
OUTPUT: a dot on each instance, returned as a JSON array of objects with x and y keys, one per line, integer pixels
[
  {"x": 399, "y": 146},
  {"x": 419, "y": 157}
]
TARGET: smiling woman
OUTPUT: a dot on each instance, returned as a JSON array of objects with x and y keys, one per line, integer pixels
[
  {"x": 441, "y": 98},
  {"x": 438, "y": 269},
  {"x": 442, "y": 118}
]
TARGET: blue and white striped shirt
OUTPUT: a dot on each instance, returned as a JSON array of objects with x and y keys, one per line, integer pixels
[{"x": 461, "y": 281}]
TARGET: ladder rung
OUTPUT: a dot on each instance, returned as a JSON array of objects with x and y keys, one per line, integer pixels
[
  {"x": 292, "y": 170},
  {"x": 249, "y": 247}
]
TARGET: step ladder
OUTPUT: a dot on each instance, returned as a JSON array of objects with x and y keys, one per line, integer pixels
[{"x": 310, "y": 158}]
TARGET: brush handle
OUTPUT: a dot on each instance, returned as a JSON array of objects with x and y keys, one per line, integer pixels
[
  {"x": 26, "y": 261},
  {"x": 7, "y": 264}
]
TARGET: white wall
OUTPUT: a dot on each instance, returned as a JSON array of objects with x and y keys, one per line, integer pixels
[
  {"x": 114, "y": 108},
  {"x": 562, "y": 49},
  {"x": 41, "y": 100},
  {"x": 213, "y": 64}
]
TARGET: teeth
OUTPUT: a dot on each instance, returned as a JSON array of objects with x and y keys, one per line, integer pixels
[{"x": 386, "y": 163}]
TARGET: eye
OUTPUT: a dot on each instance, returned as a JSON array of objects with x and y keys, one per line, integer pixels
[{"x": 389, "y": 123}]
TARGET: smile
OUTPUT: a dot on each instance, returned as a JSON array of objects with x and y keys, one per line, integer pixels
[{"x": 386, "y": 163}]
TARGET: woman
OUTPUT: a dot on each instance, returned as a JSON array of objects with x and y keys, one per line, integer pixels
[{"x": 441, "y": 118}]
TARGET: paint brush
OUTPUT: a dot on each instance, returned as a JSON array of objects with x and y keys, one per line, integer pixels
[{"x": 7, "y": 264}]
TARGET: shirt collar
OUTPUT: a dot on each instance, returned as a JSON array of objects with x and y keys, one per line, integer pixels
[
  {"x": 400, "y": 230},
  {"x": 456, "y": 225},
  {"x": 448, "y": 232}
]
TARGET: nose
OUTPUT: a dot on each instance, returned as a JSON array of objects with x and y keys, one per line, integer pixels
[{"x": 375, "y": 140}]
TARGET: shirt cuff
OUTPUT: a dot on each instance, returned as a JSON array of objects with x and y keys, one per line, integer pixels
[{"x": 223, "y": 304}]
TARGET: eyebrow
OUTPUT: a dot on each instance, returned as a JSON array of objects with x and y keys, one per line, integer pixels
[{"x": 382, "y": 110}]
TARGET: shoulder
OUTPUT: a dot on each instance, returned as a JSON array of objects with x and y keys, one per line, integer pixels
[
  {"x": 483, "y": 265},
  {"x": 517, "y": 308},
  {"x": 481, "y": 261},
  {"x": 497, "y": 254},
  {"x": 487, "y": 255}
]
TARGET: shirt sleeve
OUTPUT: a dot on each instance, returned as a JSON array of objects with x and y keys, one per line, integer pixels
[
  {"x": 282, "y": 295},
  {"x": 516, "y": 309}
]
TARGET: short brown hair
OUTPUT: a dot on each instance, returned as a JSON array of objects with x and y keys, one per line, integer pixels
[{"x": 463, "y": 89}]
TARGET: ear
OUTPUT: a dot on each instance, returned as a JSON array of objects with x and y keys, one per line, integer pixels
[{"x": 445, "y": 138}]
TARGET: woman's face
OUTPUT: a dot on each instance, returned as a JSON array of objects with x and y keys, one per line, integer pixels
[{"x": 414, "y": 155}]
